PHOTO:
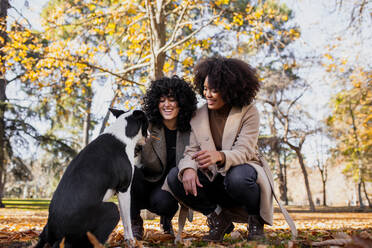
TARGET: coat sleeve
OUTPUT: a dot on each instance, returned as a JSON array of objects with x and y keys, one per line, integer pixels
[
  {"x": 244, "y": 147},
  {"x": 187, "y": 161}
]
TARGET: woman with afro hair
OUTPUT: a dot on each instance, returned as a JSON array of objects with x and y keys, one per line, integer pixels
[
  {"x": 221, "y": 168},
  {"x": 169, "y": 104}
]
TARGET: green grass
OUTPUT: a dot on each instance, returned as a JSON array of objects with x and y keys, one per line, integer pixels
[{"x": 42, "y": 204}]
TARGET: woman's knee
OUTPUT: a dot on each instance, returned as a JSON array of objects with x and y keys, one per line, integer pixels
[
  {"x": 163, "y": 203},
  {"x": 240, "y": 177},
  {"x": 172, "y": 180}
]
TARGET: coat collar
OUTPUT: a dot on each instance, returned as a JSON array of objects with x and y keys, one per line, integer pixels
[
  {"x": 201, "y": 128},
  {"x": 232, "y": 126},
  {"x": 158, "y": 143}
]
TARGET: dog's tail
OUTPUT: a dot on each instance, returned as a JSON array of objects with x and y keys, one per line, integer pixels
[{"x": 43, "y": 237}]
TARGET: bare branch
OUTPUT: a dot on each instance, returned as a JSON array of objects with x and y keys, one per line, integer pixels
[
  {"x": 176, "y": 28},
  {"x": 100, "y": 69},
  {"x": 169, "y": 46},
  {"x": 173, "y": 11},
  {"x": 295, "y": 100},
  {"x": 140, "y": 63},
  {"x": 103, "y": 126},
  {"x": 15, "y": 78},
  {"x": 150, "y": 16},
  {"x": 20, "y": 13},
  {"x": 134, "y": 67}
]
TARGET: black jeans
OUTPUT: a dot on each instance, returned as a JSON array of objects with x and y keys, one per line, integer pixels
[
  {"x": 149, "y": 195},
  {"x": 237, "y": 188}
]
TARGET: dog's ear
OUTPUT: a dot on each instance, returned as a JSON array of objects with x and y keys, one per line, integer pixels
[
  {"x": 116, "y": 112},
  {"x": 140, "y": 115}
]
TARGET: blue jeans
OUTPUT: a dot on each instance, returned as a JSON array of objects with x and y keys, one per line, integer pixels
[{"x": 238, "y": 188}]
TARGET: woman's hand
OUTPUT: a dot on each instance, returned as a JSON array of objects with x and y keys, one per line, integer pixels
[
  {"x": 207, "y": 158},
  {"x": 190, "y": 180}
]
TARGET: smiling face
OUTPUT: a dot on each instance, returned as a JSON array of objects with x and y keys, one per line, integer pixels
[
  {"x": 169, "y": 109},
  {"x": 213, "y": 97}
]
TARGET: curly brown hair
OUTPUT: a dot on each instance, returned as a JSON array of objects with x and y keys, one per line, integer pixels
[
  {"x": 236, "y": 81},
  {"x": 175, "y": 87}
]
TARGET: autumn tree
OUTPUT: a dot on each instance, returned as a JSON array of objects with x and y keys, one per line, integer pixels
[
  {"x": 153, "y": 37},
  {"x": 287, "y": 118},
  {"x": 115, "y": 44},
  {"x": 321, "y": 163},
  {"x": 278, "y": 156},
  {"x": 350, "y": 124},
  {"x": 134, "y": 41},
  {"x": 4, "y": 5},
  {"x": 20, "y": 54}
]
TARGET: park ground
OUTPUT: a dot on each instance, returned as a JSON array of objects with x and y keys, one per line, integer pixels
[{"x": 22, "y": 221}]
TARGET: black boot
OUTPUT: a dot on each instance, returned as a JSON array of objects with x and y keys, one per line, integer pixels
[
  {"x": 218, "y": 225},
  {"x": 255, "y": 227},
  {"x": 137, "y": 227},
  {"x": 166, "y": 225}
]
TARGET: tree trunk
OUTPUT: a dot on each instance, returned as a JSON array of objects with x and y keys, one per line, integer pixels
[
  {"x": 277, "y": 149},
  {"x": 104, "y": 122},
  {"x": 158, "y": 32},
  {"x": 307, "y": 185},
  {"x": 4, "y": 5},
  {"x": 285, "y": 182},
  {"x": 360, "y": 164},
  {"x": 361, "y": 204},
  {"x": 323, "y": 173},
  {"x": 324, "y": 193},
  {"x": 285, "y": 178},
  {"x": 366, "y": 194},
  {"x": 280, "y": 177},
  {"x": 87, "y": 118}
]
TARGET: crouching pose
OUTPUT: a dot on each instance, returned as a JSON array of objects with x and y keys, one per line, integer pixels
[
  {"x": 103, "y": 167},
  {"x": 221, "y": 168},
  {"x": 169, "y": 105}
]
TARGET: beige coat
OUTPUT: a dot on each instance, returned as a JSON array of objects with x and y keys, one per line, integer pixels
[{"x": 239, "y": 144}]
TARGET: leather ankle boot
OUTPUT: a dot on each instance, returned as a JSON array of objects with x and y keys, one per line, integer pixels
[
  {"x": 218, "y": 225},
  {"x": 166, "y": 225},
  {"x": 255, "y": 227}
]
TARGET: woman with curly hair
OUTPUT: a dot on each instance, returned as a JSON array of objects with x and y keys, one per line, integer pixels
[
  {"x": 169, "y": 104},
  {"x": 221, "y": 169}
]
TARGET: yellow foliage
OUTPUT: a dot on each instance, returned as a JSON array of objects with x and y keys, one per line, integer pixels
[
  {"x": 328, "y": 56},
  {"x": 188, "y": 62},
  {"x": 221, "y": 2},
  {"x": 238, "y": 19},
  {"x": 123, "y": 26},
  {"x": 92, "y": 7},
  {"x": 167, "y": 67}
]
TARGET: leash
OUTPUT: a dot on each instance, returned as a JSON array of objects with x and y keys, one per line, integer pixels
[{"x": 284, "y": 211}]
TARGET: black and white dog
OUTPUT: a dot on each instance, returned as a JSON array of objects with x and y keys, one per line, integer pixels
[{"x": 101, "y": 169}]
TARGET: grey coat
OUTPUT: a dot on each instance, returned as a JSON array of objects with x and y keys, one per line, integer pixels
[{"x": 154, "y": 153}]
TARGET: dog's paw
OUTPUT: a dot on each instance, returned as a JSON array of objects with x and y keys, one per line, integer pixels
[
  {"x": 178, "y": 240},
  {"x": 131, "y": 243}
]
